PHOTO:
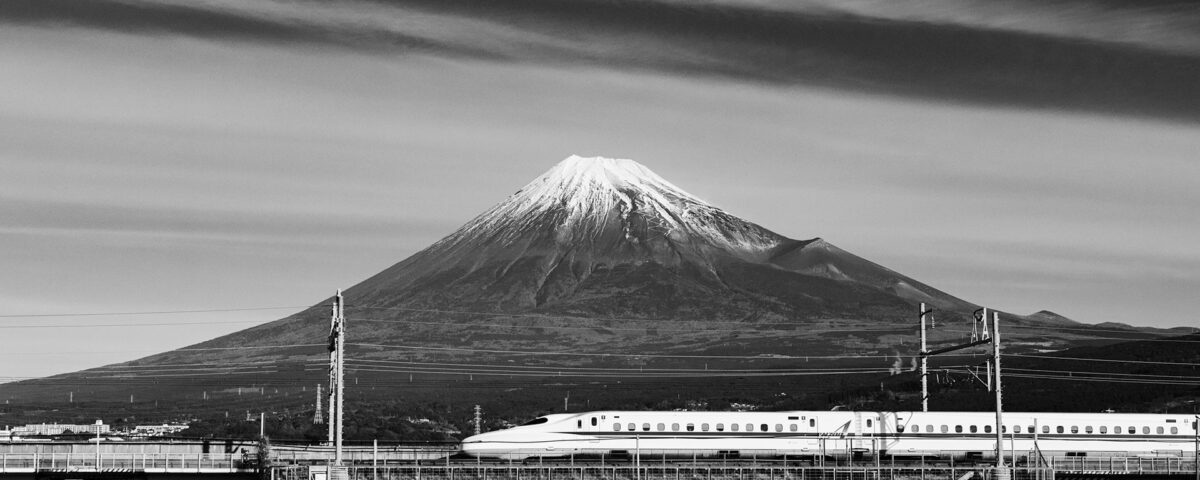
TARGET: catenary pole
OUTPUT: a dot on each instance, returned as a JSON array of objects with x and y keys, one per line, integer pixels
[
  {"x": 332, "y": 400},
  {"x": 924, "y": 364},
  {"x": 341, "y": 384},
  {"x": 999, "y": 405}
]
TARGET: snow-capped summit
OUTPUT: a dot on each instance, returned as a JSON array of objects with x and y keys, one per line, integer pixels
[{"x": 610, "y": 205}]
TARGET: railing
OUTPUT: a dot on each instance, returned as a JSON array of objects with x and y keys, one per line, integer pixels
[
  {"x": 611, "y": 472},
  {"x": 178, "y": 462},
  {"x": 1139, "y": 464},
  {"x": 361, "y": 454}
]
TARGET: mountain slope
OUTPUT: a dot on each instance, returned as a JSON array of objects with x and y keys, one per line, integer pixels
[
  {"x": 602, "y": 255},
  {"x": 599, "y": 274},
  {"x": 588, "y": 216},
  {"x": 602, "y": 262}
]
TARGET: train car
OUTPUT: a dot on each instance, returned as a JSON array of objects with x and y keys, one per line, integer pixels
[{"x": 835, "y": 434}]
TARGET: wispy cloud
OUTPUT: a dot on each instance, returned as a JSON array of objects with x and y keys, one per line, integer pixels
[{"x": 1077, "y": 55}]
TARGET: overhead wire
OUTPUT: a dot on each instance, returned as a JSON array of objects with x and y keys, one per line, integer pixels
[{"x": 146, "y": 312}]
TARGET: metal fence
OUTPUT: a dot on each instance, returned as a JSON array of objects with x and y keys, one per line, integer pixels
[
  {"x": 16, "y": 462},
  {"x": 608, "y": 472},
  {"x": 1141, "y": 464}
]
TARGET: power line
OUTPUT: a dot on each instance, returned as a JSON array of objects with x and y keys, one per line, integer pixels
[
  {"x": 600, "y": 369},
  {"x": 557, "y": 373},
  {"x": 620, "y": 355},
  {"x": 553, "y": 316},
  {"x": 162, "y": 324},
  {"x": 153, "y": 312},
  {"x": 1112, "y": 374},
  {"x": 206, "y": 349},
  {"x": 1140, "y": 362},
  {"x": 1107, "y": 380}
]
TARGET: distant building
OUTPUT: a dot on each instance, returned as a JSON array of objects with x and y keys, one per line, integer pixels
[
  {"x": 158, "y": 430},
  {"x": 61, "y": 428}
]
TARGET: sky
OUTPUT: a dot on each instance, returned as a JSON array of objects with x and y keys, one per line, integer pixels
[{"x": 240, "y": 160}]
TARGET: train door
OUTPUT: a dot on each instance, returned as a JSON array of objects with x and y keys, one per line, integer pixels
[
  {"x": 860, "y": 431},
  {"x": 887, "y": 431}
]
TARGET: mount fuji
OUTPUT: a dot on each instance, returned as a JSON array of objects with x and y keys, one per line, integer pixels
[
  {"x": 602, "y": 255},
  {"x": 600, "y": 278},
  {"x": 600, "y": 262},
  {"x": 609, "y": 236}
]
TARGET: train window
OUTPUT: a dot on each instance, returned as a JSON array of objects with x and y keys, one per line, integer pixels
[
  {"x": 778, "y": 427},
  {"x": 593, "y": 421},
  {"x": 945, "y": 429},
  {"x": 674, "y": 427},
  {"x": 812, "y": 422},
  {"x": 749, "y": 427},
  {"x": 1004, "y": 429},
  {"x": 720, "y": 427},
  {"x": 1059, "y": 429},
  {"x": 541, "y": 420},
  {"x": 987, "y": 429},
  {"x": 795, "y": 428},
  {"x": 958, "y": 429},
  {"x": 1103, "y": 429},
  {"x": 1159, "y": 430},
  {"x": 579, "y": 424},
  {"x": 1146, "y": 430},
  {"x": 703, "y": 427},
  {"x": 1087, "y": 429},
  {"x": 616, "y": 427},
  {"x": 646, "y": 427},
  {"x": 1132, "y": 430},
  {"x": 633, "y": 426},
  {"x": 1031, "y": 429},
  {"x": 1174, "y": 430},
  {"x": 1074, "y": 429},
  {"x": 734, "y": 426},
  {"x": 691, "y": 427},
  {"x": 868, "y": 423},
  {"x": 763, "y": 427},
  {"x": 660, "y": 427},
  {"x": 974, "y": 429}
]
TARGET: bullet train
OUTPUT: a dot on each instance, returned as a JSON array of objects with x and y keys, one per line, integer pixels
[{"x": 836, "y": 434}]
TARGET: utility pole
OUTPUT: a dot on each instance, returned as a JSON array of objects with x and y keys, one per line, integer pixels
[
  {"x": 924, "y": 363},
  {"x": 98, "y": 423},
  {"x": 333, "y": 326},
  {"x": 317, "y": 420},
  {"x": 999, "y": 407},
  {"x": 994, "y": 339},
  {"x": 262, "y": 424},
  {"x": 478, "y": 420},
  {"x": 339, "y": 344}
]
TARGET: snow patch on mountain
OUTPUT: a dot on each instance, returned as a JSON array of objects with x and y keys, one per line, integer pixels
[{"x": 583, "y": 199}]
